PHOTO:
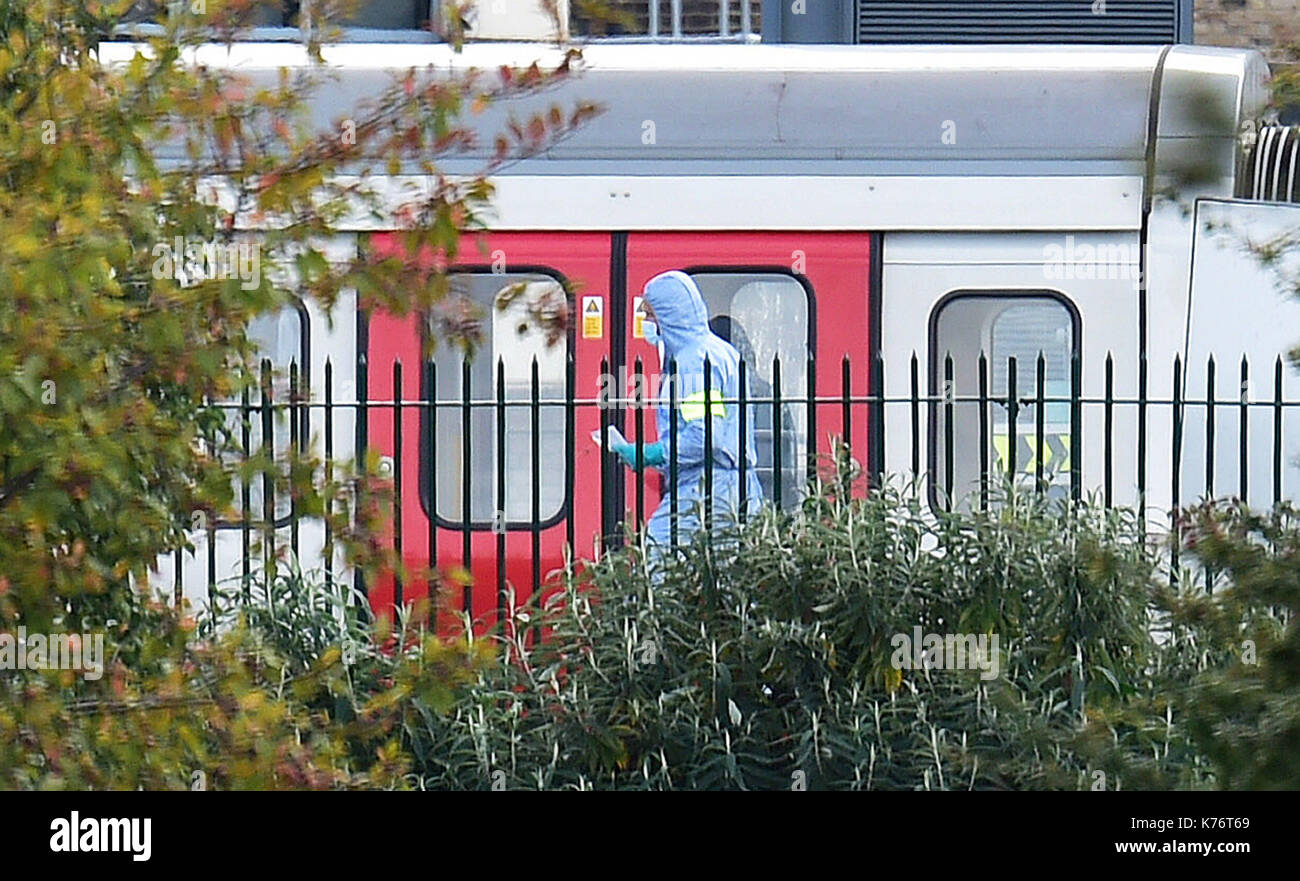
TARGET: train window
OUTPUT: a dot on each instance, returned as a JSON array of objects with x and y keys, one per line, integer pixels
[
  {"x": 1002, "y": 326},
  {"x": 765, "y": 315},
  {"x": 503, "y": 301},
  {"x": 279, "y": 337}
]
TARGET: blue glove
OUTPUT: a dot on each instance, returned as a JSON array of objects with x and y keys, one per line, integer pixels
[{"x": 651, "y": 454}]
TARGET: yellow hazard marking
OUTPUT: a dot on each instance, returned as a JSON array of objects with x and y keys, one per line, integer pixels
[
  {"x": 593, "y": 318},
  {"x": 1055, "y": 453}
]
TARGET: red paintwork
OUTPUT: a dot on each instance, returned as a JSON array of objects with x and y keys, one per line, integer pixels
[
  {"x": 583, "y": 259},
  {"x": 836, "y": 264}
]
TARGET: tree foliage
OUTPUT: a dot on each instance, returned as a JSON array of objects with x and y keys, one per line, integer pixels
[
  {"x": 1244, "y": 712},
  {"x": 113, "y": 365},
  {"x": 108, "y": 366}
]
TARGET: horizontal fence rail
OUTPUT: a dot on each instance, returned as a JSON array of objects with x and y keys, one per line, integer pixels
[{"x": 1036, "y": 438}]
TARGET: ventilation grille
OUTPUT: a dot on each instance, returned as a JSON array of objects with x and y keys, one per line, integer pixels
[
  {"x": 1272, "y": 171},
  {"x": 1017, "y": 21}
]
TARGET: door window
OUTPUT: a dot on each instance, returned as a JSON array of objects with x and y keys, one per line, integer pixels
[
  {"x": 510, "y": 337},
  {"x": 1009, "y": 328},
  {"x": 765, "y": 316}
]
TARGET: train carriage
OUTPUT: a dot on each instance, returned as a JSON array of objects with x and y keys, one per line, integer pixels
[{"x": 920, "y": 236}]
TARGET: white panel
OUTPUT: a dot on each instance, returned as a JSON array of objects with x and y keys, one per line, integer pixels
[
  {"x": 1108, "y": 324},
  {"x": 1040, "y": 249},
  {"x": 561, "y": 202},
  {"x": 333, "y": 341},
  {"x": 1241, "y": 307},
  {"x": 649, "y": 56}
]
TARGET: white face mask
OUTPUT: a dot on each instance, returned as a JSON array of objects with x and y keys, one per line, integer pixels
[{"x": 650, "y": 331}]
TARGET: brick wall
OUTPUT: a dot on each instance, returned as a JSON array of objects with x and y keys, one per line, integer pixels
[{"x": 1268, "y": 25}]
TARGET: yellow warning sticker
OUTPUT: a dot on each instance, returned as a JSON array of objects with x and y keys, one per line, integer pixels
[
  {"x": 638, "y": 316},
  {"x": 593, "y": 318}
]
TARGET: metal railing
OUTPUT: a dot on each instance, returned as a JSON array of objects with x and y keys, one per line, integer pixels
[{"x": 1214, "y": 444}]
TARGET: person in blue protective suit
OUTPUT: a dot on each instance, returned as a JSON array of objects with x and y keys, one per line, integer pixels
[{"x": 677, "y": 317}]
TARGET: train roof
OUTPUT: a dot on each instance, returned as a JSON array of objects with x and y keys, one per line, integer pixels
[
  {"x": 820, "y": 109},
  {"x": 714, "y": 109}
]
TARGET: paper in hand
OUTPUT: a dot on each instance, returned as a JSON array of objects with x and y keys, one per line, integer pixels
[{"x": 615, "y": 436}]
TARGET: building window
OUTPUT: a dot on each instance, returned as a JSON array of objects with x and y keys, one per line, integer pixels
[
  {"x": 511, "y": 338},
  {"x": 1002, "y": 325},
  {"x": 765, "y": 315},
  {"x": 268, "y": 19}
]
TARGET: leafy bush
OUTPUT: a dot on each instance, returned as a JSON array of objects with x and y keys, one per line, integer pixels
[
  {"x": 296, "y": 692},
  {"x": 1243, "y": 711},
  {"x": 762, "y": 661},
  {"x": 765, "y": 661}
]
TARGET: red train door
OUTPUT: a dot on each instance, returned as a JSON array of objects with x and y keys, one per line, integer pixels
[
  {"x": 777, "y": 297},
  {"x": 492, "y": 509}
]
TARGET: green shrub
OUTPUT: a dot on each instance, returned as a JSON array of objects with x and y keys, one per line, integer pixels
[
  {"x": 1243, "y": 710},
  {"x": 296, "y": 691},
  {"x": 765, "y": 662}
]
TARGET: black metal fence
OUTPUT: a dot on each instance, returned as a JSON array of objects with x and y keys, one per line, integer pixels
[{"x": 1218, "y": 443}]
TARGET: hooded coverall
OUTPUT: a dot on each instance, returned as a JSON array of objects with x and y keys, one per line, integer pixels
[{"x": 683, "y": 326}]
